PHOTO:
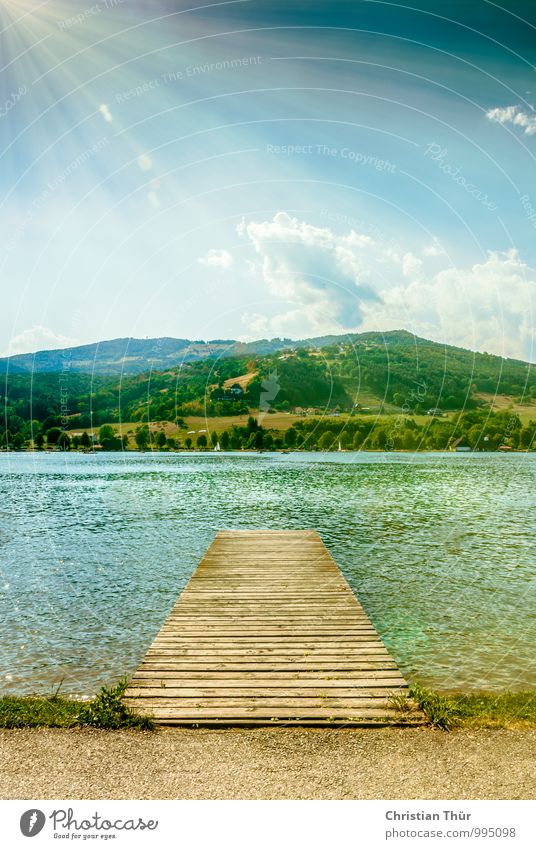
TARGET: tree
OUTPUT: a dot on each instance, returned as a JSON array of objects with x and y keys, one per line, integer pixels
[
  {"x": 346, "y": 440},
  {"x": 171, "y": 443},
  {"x": 85, "y": 441},
  {"x": 50, "y": 422},
  {"x": 380, "y": 438},
  {"x": 106, "y": 432},
  {"x": 18, "y": 441},
  {"x": 268, "y": 441},
  {"x": 110, "y": 440},
  {"x": 290, "y": 437},
  {"x": 76, "y": 441},
  {"x": 225, "y": 440},
  {"x": 214, "y": 438},
  {"x": 409, "y": 440},
  {"x": 473, "y": 436},
  {"x": 39, "y": 441},
  {"x": 53, "y": 434},
  {"x": 357, "y": 441},
  {"x": 142, "y": 437},
  {"x": 64, "y": 441},
  {"x": 202, "y": 441},
  {"x": 188, "y": 442},
  {"x": 160, "y": 439},
  {"x": 326, "y": 441},
  {"x": 31, "y": 429},
  {"x": 527, "y": 436}
]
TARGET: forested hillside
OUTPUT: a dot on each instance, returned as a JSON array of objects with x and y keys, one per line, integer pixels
[{"x": 381, "y": 373}]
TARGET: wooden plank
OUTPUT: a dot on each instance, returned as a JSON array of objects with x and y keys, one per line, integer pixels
[
  {"x": 325, "y": 702},
  {"x": 269, "y": 679},
  {"x": 200, "y": 686},
  {"x": 267, "y": 713},
  {"x": 267, "y": 631},
  {"x": 219, "y": 642},
  {"x": 367, "y": 661},
  {"x": 281, "y": 692}
]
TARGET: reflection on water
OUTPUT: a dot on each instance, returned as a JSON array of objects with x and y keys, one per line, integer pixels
[{"x": 94, "y": 550}]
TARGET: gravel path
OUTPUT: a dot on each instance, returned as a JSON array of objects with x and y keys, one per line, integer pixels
[{"x": 267, "y": 764}]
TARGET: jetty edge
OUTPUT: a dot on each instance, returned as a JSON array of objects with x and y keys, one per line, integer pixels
[{"x": 268, "y": 632}]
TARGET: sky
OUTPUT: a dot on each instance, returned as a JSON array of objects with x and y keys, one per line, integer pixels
[{"x": 253, "y": 169}]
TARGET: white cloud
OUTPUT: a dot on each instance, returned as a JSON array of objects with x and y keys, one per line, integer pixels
[
  {"x": 411, "y": 265},
  {"x": 258, "y": 326},
  {"x": 324, "y": 276},
  {"x": 217, "y": 259},
  {"x": 434, "y": 249},
  {"x": 37, "y": 338},
  {"x": 490, "y": 306},
  {"x": 514, "y": 115},
  {"x": 329, "y": 282}
]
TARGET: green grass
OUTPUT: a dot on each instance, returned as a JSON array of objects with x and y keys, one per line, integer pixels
[
  {"x": 106, "y": 710},
  {"x": 475, "y": 710},
  {"x": 496, "y": 710},
  {"x": 38, "y": 712}
]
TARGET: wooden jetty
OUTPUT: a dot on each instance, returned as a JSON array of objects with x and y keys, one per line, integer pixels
[{"x": 268, "y": 632}]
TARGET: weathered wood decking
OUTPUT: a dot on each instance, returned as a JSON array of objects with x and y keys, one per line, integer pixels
[{"x": 267, "y": 632}]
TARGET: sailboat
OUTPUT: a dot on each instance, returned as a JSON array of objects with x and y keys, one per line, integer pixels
[
  {"x": 217, "y": 447},
  {"x": 340, "y": 446}
]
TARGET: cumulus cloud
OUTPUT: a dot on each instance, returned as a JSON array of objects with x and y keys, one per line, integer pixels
[
  {"x": 37, "y": 338},
  {"x": 434, "y": 249},
  {"x": 332, "y": 283},
  {"x": 514, "y": 115},
  {"x": 216, "y": 259},
  {"x": 322, "y": 274},
  {"x": 411, "y": 265},
  {"x": 490, "y": 306}
]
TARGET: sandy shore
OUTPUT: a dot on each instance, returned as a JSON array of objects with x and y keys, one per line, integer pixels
[{"x": 267, "y": 764}]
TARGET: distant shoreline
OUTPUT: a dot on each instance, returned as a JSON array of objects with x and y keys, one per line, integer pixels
[{"x": 251, "y": 452}]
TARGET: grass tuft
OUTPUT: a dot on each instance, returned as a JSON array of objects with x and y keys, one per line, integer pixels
[
  {"x": 401, "y": 702},
  {"x": 106, "y": 710},
  {"x": 441, "y": 711},
  {"x": 477, "y": 710}
]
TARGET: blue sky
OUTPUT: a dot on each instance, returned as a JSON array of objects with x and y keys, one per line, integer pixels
[{"x": 250, "y": 169}]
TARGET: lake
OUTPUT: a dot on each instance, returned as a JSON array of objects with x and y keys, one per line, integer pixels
[{"x": 439, "y": 548}]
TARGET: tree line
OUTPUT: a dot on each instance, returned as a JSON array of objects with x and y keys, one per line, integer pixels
[{"x": 475, "y": 429}]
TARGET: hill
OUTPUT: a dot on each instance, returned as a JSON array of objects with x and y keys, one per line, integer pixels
[
  {"x": 393, "y": 372},
  {"x": 133, "y": 356},
  {"x": 129, "y": 356}
]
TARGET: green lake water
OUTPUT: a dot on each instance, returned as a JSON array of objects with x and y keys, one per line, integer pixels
[{"x": 439, "y": 548}]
